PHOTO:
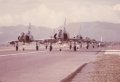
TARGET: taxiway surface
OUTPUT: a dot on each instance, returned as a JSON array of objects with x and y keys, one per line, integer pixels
[{"x": 42, "y": 65}]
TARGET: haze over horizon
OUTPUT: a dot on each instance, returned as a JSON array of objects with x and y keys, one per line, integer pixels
[
  {"x": 51, "y": 13},
  {"x": 93, "y": 30}
]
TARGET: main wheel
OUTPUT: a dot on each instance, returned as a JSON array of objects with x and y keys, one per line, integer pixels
[
  {"x": 87, "y": 46},
  {"x": 60, "y": 49},
  {"x": 50, "y": 48},
  {"x": 75, "y": 48},
  {"x": 70, "y": 47},
  {"x": 37, "y": 48},
  {"x": 16, "y": 48},
  {"x": 23, "y": 49},
  {"x": 46, "y": 46}
]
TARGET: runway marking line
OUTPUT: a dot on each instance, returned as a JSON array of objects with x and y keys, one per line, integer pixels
[
  {"x": 112, "y": 52},
  {"x": 6, "y": 49},
  {"x": 21, "y": 53}
]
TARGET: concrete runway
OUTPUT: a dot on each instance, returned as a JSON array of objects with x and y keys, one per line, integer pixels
[{"x": 41, "y": 66}]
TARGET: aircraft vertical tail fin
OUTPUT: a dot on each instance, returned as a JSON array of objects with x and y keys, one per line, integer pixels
[
  {"x": 101, "y": 39},
  {"x": 65, "y": 25},
  {"x": 29, "y": 28}
]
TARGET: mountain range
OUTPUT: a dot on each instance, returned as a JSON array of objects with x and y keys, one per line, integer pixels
[{"x": 108, "y": 31}]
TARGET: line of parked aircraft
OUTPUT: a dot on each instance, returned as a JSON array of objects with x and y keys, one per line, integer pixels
[{"x": 61, "y": 37}]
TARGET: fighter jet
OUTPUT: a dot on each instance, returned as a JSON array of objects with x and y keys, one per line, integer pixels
[
  {"x": 60, "y": 38},
  {"x": 26, "y": 38}
]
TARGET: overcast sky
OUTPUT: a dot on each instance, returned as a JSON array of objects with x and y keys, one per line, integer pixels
[{"x": 51, "y": 13}]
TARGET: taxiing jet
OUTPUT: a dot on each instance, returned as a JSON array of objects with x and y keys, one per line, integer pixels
[
  {"x": 62, "y": 37},
  {"x": 26, "y": 38}
]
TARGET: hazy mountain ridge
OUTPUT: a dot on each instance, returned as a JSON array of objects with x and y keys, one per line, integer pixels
[
  {"x": 11, "y": 33},
  {"x": 109, "y": 31}
]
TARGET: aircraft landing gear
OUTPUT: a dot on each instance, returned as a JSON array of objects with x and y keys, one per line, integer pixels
[
  {"x": 23, "y": 46},
  {"x": 16, "y": 48},
  {"x": 60, "y": 49},
  {"x": 23, "y": 49},
  {"x": 75, "y": 48},
  {"x": 81, "y": 45},
  {"x": 50, "y": 48},
  {"x": 87, "y": 46},
  {"x": 37, "y": 48},
  {"x": 70, "y": 47},
  {"x": 46, "y": 46}
]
